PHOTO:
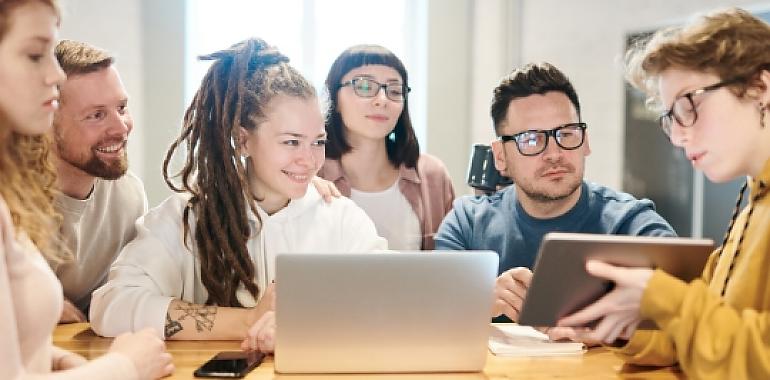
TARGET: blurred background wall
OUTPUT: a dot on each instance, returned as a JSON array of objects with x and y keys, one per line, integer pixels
[{"x": 456, "y": 51}]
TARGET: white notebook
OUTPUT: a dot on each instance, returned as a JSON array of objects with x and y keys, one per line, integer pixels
[{"x": 514, "y": 340}]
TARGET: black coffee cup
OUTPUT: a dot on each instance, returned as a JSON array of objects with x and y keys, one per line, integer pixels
[{"x": 482, "y": 174}]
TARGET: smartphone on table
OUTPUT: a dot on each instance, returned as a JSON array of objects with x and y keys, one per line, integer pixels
[{"x": 234, "y": 364}]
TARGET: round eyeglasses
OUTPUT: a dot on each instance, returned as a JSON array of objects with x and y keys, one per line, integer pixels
[
  {"x": 568, "y": 136},
  {"x": 369, "y": 88},
  {"x": 684, "y": 110}
]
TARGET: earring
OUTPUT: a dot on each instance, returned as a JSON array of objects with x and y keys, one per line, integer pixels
[{"x": 762, "y": 109}]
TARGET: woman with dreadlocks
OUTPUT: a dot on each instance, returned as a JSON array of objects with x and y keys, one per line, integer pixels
[
  {"x": 202, "y": 264},
  {"x": 712, "y": 80}
]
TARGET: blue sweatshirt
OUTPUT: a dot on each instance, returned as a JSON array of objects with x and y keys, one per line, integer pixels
[{"x": 498, "y": 222}]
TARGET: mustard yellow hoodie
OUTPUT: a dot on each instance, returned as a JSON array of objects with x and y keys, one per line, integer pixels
[{"x": 712, "y": 337}]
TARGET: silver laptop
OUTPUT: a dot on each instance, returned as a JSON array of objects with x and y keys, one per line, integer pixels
[{"x": 388, "y": 312}]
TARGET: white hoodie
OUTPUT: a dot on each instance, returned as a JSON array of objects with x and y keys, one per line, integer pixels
[{"x": 157, "y": 266}]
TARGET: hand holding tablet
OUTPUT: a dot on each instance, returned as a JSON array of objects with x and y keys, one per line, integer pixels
[{"x": 561, "y": 285}]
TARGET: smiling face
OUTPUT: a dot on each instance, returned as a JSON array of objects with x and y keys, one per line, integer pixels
[
  {"x": 726, "y": 140},
  {"x": 369, "y": 118},
  {"x": 29, "y": 72},
  {"x": 93, "y": 124},
  {"x": 285, "y": 151},
  {"x": 554, "y": 174}
]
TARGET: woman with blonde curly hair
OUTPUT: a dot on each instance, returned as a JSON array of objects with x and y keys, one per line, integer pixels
[
  {"x": 30, "y": 295},
  {"x": 711, "y": 81}
]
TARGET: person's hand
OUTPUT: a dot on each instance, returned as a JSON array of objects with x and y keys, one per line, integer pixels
[
  {"x": 261, "y": 336},
  {"x": 68, "y": 360},
  {"x": 574, "y": 334},
  {"x": 326, "y": 189},
  {"x": 510, "y": 291},
  {"x": 618, "y": 310},
  {"x": 71, "y": 314},
  {"x": 147, "y": 351}
]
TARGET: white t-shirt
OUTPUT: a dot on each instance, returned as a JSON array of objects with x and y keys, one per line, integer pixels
[{"x": 392, "y": 215}]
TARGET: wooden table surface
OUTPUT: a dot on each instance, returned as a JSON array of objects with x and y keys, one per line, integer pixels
[{"x": 597, "y": 363}]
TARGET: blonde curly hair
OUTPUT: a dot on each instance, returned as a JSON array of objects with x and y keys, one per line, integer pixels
[
  {"x": 731, "y": 43},
  {"x": 27, "y": 174}
]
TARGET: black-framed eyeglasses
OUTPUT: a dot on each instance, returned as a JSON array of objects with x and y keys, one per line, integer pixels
[
  {"x": 684, "y": 110},
  {"x": 369, "y": 88},
  {"x": 568, "y": 136}
]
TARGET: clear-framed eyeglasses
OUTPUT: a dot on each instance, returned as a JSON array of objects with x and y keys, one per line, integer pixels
[
  {"x": 568, "y": 136},
  {"x": 368, "y": 88}
]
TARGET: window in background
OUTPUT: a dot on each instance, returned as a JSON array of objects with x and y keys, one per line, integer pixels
[{"x": 312, "y": 33}]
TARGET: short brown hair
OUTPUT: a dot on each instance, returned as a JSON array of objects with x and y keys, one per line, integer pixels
[
  {"x": 530, "y": 79},
  {"x": 77, "y": 57},
  {"x": 730, "y": 43}
]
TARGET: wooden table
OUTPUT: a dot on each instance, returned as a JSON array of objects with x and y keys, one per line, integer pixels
[{"x": 597, "y": 363}]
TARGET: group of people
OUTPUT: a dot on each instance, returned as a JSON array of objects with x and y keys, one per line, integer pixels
[{"x": 77, "y": 241}]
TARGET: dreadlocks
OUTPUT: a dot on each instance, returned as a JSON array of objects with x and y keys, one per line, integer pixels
[{"x": 234, "y": 93}]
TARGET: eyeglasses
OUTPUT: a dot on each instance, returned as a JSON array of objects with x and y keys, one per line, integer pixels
[
  {"x": 683, "y": 110},
  {"x": 533, "y": 142},
  {"x": 369, "y": 88}
]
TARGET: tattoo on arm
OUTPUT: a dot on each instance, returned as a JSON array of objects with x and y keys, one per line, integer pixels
[
  {"x": 172, "y": 327},
  {"x": 203, "y": 316}
]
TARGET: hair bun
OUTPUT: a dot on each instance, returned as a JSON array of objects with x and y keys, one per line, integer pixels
[
  {"x": 260, "y": 54},
  {"x": 263, "y": 54}
]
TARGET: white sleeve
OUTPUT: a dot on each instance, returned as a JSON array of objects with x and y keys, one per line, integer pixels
[{"x": 146, "y": 277}]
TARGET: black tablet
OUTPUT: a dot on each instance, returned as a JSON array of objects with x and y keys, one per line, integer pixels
[{"x": 561, "y": 286}]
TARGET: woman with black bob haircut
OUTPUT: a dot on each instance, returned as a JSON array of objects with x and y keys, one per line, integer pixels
[{"x": 373, "y": 155}]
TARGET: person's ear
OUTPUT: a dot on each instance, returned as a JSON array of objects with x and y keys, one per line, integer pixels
[
  {"x": 498, "y": 151},
  {"x": 764, "y": 91},
  {"x": 587, "y": 145},
  {"x": 243, "y": 141}
]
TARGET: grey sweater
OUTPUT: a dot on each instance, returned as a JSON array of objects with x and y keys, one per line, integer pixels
[{"x": 95, "y": 230}]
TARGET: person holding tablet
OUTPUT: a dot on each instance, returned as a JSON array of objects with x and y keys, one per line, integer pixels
[
  {"x": 711, "y": 81},
  {"x": 203, "y": 262}
]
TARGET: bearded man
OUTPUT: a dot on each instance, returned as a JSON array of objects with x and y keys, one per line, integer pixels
[
  {"x": 100, "y": 200},
  {"x": 541, "y": 145}
]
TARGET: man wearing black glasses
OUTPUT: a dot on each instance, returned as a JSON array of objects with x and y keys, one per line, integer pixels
[{"x": 542, "y": 145}]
